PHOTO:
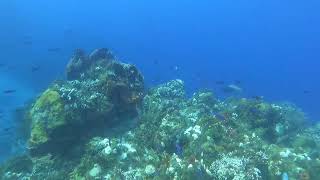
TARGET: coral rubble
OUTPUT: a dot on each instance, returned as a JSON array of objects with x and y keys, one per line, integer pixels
[{"x": 74, "y": 131}]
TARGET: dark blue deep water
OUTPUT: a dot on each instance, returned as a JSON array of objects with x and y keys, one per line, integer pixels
[{"x": 272, "y": 47}]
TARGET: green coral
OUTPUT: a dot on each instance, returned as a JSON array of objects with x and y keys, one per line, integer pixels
[
  {"x": 51, "y": 103},
  {"x": 38, "y": 135},
  {"x": 46, "y": 115}
]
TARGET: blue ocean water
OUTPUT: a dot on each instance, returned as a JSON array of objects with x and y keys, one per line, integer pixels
[{"x": 270, "y": 47}]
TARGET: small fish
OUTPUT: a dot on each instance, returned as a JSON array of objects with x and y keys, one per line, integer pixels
[
  {"x": 175, "y": 68},
  {"x": 237, "y": 82},
  {"x": 179, "y": 148},
  {"x": 306, "y": 92},
  {"x": 254, "y": 111},
  {"x": 35, "y": 68},
  {"x": 54, "y": 49},
  {"x": 232, "y": 89},
  {"x": 200, "y": 173},
  {"x": 219, "y": 116},
  {"x": 7, "y": 129},
  {"x": 9, "y": 91},
  {"x": 220, "y": 82},
  {"x": 155, "y": 62},
  {"x": 156, "y": 79},
  {"x": 27, "y": 42}
]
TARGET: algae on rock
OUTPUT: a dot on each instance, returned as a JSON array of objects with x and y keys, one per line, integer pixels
[{"x": 47, "y": 114}]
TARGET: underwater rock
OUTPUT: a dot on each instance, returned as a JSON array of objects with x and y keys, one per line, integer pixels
[
  {"x": 101, "y": 54},
  {"x": 276, "y": 122},
  {"x": 107, "y": 93},
  {"x": 172, "y": 90},
  {"x": 125, "y": 87},
  {"x": 80, "y": 62},
  {"x": 77, "y": 64}
]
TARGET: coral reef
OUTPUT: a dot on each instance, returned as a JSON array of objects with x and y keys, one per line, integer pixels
[
  {"x": 76, "y": 131},
  {"x": 105, "y": 92}
]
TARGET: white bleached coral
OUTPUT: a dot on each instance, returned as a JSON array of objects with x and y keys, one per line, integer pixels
[
  {"x": 235, "y": 168},
  {"x": 194, "y": 132}
]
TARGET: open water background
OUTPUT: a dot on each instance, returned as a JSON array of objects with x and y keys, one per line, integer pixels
[{"x": 272, "y": 46}]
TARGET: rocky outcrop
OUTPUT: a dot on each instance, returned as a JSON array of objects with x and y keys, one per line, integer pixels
[{"x": 99, "y": 92}]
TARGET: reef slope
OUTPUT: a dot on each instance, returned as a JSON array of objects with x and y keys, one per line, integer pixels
[{"x": 101, "y": 124}]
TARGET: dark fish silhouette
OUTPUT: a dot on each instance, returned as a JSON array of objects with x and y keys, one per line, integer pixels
[
  {"x": 156, "y": 79},
  {"x": 6, "y": 129},
  {"x": 237, "y": 82},
  {"x": 9, "y": 91},
  {"x": 220, "y": 116},
  {"x": 179, "y": 148},
  {"x": 27, "y": 42},
  {"x": 220, "y": 82},
  {"x": 35, "y": 68},
  {"x": 54, "y": 49},
  {"x": 155, "y": 62},
  {"x": 175, "y": 68},
  {"x": 306, "y": 92}
]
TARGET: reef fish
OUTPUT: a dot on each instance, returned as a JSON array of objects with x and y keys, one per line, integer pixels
[
  {"x": 219, "y": 116},
  {"x": 9, "y": 91},
  {"x": 232, "y": 89},
  {"x": 306, "y": 92},
  {"x": 220, "y": 82},
  {"x": 35, "y": 68},
  {"x": 179, "y": 148},
  {"x": 54, "y": 49},
  {"x": 237, "y": 81},
  {"x": 7, "y": 129}
]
